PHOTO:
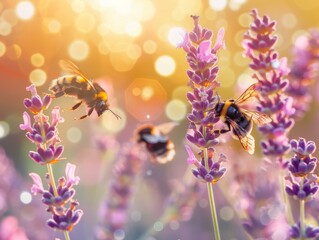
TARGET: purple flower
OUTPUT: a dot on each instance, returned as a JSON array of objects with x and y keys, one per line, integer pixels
[
  {"x": 114, "y": 211},
  {"x": 302, "y": 148},
  {"x": 36, "y": 104},
  {"x": 304, "y": 189},
  {"x": 65, "y": 220},
  {"x": 270, "y": 72},
  {"x": 202, "y": 74},
  {"x": 58, "y": 199},
  {"x": 310, "y": 231},
  {"x": 60, "y": 204},
  {"x": 303, "y": 71},
  {"x": 44, "y": 135},
  {"x": 37, "y": 187}
]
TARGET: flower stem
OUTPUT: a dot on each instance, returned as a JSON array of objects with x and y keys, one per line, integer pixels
[
  {"x": 288, "y": 211},
  {"x": 52, "y": 181},
  {"x": 211, "y": 199},
  {"x": 55, "y": 191},
  {"x": 66, "y": 235},
  {"x": 213, "y": 210}
]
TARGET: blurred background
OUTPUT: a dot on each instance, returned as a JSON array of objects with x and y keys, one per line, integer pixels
[{"x": 129, "y": 47}]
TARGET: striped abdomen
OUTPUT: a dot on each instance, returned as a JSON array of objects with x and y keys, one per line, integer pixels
[{"x": 71, "y": 85}]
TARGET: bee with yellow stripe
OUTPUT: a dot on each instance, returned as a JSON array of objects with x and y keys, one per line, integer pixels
[
  {"x": 77, "y": 85},
  {"x": 240, "y": 120}
]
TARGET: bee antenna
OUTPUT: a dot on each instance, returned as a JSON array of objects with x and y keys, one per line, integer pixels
[{"x": 116, "y": 115}]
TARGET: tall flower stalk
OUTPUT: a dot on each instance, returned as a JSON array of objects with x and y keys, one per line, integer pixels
[
  {"x": 271, "y": 72},
  {"x": 44, "y": 134},
  {"x": 114, "y": 211},
  {"x": 302, "y": 184},
  {"x": 203, "y": 82}
]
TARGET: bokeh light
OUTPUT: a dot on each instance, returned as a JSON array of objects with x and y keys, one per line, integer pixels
[
  {"x": 2, "y": 49},
  {"x": 165, "y": 65},
  {"x": 111, "y": 124},
  {"x": 176, "y": 36},
  {"x": 54, "y": 26},
  {"x": 74, "y": 134},
  {"x": 14, "y": 51},
  {"x": 4, "y": 129},
  {"x": 145, "y": 99},
  {"x": 176, "y": 110},
  {"x": 79, "y": 50},
  {"x": 218, "y": 5},
  {"x": 149, "y": 46},
  {"x": 37, "y": 59},
  {"x": 133, "y": 29},
  {"x": 85, "y": 22},
  {"x": 25, "y": 10},
  {"x": 25, "y": 197},
  {"x": 38, "y": 77}
]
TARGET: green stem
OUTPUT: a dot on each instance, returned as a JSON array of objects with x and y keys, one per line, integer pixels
[
  {"x": 213, "y": 210},
  {"x": 52, "y": 181},
  {"x": 66, "y": 235},
  {"x": 211, "y": 199},
  {"x": 289, "y": 216}
]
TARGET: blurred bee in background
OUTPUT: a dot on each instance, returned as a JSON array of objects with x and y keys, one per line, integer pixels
[
  {"x": 157, "y": 142},
  {"x": 79, "y": 86},
  {"x": 240, "y": 120}
]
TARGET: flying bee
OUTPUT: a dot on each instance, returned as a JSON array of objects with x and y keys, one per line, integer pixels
[
  {"x": 157, "y": 142},
  {"x": 240, "y": 120},
  {"x": 78, "y": 85}
]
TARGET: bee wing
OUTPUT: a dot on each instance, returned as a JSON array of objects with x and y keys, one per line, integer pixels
[
  {"x": 257, "y": 117},
  {"x": 150, "y": 138},
  {"x": 249, "y": 93},
  {"x": 245, "y": 138},
  {"x": 166, "y": 128},
  {"x": 71, "y": 68}
]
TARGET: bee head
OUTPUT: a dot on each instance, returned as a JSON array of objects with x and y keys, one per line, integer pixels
[{"x": 103, "y": 106}]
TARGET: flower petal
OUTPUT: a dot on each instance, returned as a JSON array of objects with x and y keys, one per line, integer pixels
[{"x": 37, "y": 187}]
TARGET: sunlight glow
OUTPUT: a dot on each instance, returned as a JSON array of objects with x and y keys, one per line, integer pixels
[
  {"x": 176, "y": 36},
  {"x": 176, "y": 110},
  {"x": 25, "y": 10},
  {"x": 79, "y": 50},
  {"x": 25, "y": 197},
  {"x": 37, "y": 59},
  {"x": 3, "y": 49},
  {"x": 38, "y": 77},
  {"x": 4, "y": 129},
  {"x": 74, "y": 135},
  {"x": 218, "y": 5},
  {"x": 165, "y": 65}
]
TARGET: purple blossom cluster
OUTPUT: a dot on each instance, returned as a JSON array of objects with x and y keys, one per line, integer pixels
[
  {"x": 114, "y": 210},
  {"x": 270, "y": 72},
  {"x": 302, "y": 183},
  {"x": 61, "y": 205},
  {"x": 303, "y": 71},
  {"x": 202, "y": 79},
  {"x": 44, "y": 134},
  {"x": 41, "y": 132}
]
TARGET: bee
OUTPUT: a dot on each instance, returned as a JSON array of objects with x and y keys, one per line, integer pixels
[
  {"x": 240, "y": 120},
  {"x": 157, "y": 142},
  {"x": 78, "y": 85}
]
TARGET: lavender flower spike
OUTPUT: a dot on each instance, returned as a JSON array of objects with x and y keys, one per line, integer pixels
[
  {"x": 202, "y": 74},
  {"x": 270, "y": 72}
]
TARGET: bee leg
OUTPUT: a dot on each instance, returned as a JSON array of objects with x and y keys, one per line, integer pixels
[
  {"x": 88, "y": 114},
  {"x": 58, "y": 94},
  {"x": 76, "y": 105},
  {"x": 221, "y": 131}
]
